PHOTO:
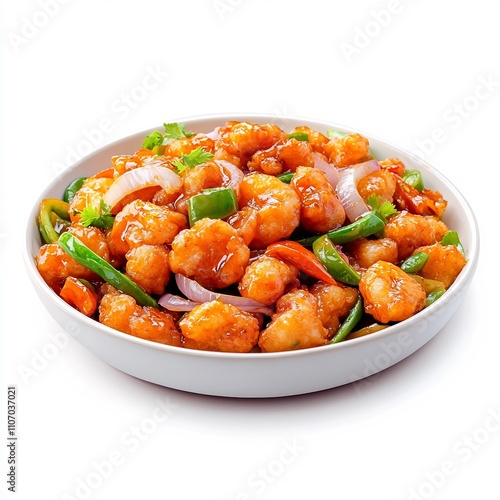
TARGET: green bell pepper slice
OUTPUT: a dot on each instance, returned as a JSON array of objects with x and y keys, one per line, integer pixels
[
  {"x": 286, "y": 177},
  {"x": 433, "y": 296},
  {"x": 452, "y": 238},
  {"x": 428, "y": 284},
  {"x": 88, "y": 258},
  {"x": 329, "y": 256},
  {"x": 353, "y": 318},
  {"x": 299, "y": 136},
  {"x": 216, "y": 203},
  {"x": 45, "y": 223},
  {"x": 433, "y": 288},
  {"x": 73, "y": 187},
  {"x": 367, "y": 225},
  {"x": 335, "y": 134},
  {"x": 414, "y": 179},
  {"x": 415, "y": 262}
]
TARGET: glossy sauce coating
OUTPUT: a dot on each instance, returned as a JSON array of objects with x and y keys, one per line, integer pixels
[{"x": 151, "y": 241}]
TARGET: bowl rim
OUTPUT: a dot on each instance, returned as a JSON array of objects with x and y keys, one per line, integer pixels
[{"x": 460, "y": 284}]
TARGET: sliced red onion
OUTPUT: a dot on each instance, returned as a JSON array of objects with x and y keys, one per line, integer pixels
[
  {"x": 195, "y": 292},
  {"x": 139, "y": 178},
  {"x": 214, "y": 134},
  {"x": 234, "y": 173},
  {"x": 330, "y": 170},
  {"x": 347, "y": 190},
  {"x": 176, "y": 303}
]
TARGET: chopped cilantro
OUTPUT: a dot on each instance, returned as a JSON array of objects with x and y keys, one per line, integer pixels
[
  {"x": 196, "y": 157},
  {"x": 152, "y": 140},
  {"x": 98, "y": 218},
  {"x": 384, "y": 209},
  {"x": 156, "y": 140},
  {"x": 176, "y": 131}
]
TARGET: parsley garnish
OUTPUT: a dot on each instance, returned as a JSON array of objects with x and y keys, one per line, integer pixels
[
  {"x": 383, "y": 209},
  {"x": 196, "y": 157},
  {"x": 172, "y": 131},
  {"x": 176, "y": 131},
  {"x": 152, "y": 140},
  {"x": 98, "y": 218}
]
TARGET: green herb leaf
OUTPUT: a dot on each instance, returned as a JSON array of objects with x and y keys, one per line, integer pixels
[
  {"x": 176, "y": 131},
  {"x": 98, "y": 218},
  {"x": 156, "y": 139},
  {"x": 196, "y": 157},
  {"x": 384, "y": 209},
  {"x": 152, "y": 140}
]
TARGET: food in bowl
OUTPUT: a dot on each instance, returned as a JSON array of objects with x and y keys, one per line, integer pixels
[{"x": 249, "y": 238}]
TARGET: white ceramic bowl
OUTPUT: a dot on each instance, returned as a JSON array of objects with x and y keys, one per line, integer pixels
[{"x": 258, "y": 374}]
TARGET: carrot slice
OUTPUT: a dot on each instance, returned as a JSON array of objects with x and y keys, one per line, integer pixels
[
  {"x": 80, "y": 296},
  {"x": 304, "y": 259}
]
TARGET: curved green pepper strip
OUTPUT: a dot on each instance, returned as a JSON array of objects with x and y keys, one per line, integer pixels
[
  {"x": 86, "y": 257},
  {"x": 433, "y": 296},
  {"x": 335, "y": 134},
  {"x": 366, "y": 330},
  {"x": 428, "y": 285},
  {"x": 350, "y": 322},
  {"x": 433, "y": 288},
  {"x": 47, "y": 207},
  {"x": 73, "y": 187},
  {"x": 286, "y": 177},
  {"x": 415, "y": 262},
  {"x": 59, "y": 224},
  {"x": 414, "y": 179},
  {"x": 452, "y": 238},
  {"x": 216, "y": 203},
  {"x": 367, "y": 225},
  {"x": 329, "y": 256},
  {"x": 159, "y": 150},
  {"x": 299, "y": 136}
]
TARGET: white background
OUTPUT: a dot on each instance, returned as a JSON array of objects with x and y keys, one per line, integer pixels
[{"x": 422, "y": 429}]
